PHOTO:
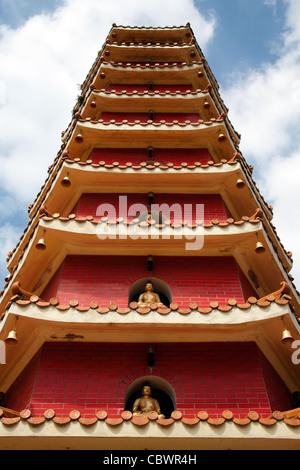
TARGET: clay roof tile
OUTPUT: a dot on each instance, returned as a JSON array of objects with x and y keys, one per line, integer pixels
[
  {"x": 216, "y": 421},
  {"x": 201, "y": 416},
  {"x": 88, "y": 421},
  {"x": 126, "y": 415},
  {"x": 140, "y": 420}
]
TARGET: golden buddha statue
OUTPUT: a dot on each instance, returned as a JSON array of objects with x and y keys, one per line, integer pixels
[
  {"x": 142, "y": 406},
  {"x": 149, "y": 297}
]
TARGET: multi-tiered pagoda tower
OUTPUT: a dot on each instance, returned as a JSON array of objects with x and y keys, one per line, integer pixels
[{"x": 149, "y": 137}]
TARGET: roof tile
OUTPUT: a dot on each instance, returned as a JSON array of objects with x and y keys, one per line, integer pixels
[
  {"x": 61, "y": 420},
  {"x": 49, "y": 414},
  {"x": 126, "y": 415},
  {"x": 25, "y": 414},
  {"x": 140, "y": 420},
  {"x": 190, "y": 421},
  {"x": 268, "y": 421},
  {"x": 241, "y": 421},
  {"x": 176, "y": 415},
  {"x": 227, "y": 415},
  {"x": 36, "y": 421},
  {"x": 88, "y": 421},
  {"x": 114, "y": 421},
  {"x": 74, "y": 415},
  {"x": 216, "y": 421},
  {"x": 253, "y": 416},
  {"x": 165, "y": 422},
  {"x": 101, "y": 415},
  {"x": 10, "y": 421}
]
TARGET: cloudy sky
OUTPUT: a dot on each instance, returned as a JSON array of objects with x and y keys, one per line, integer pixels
[{"x": 48, "y": 46}]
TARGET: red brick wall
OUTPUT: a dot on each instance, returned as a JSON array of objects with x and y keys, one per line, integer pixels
[
  {"x": 214, "y": 207},
  {"x": 139, "y": 155},
  {"x": 145, "y": 87},
  {"x": 107, "y": 279},
  {"x": 152, "y": 63},
  {"x": 53, "y": 286},
  {"x": 204, "y": 376},
  {"x": 144, "y": 117},
  {"x": 19, "y": 396},
  {"x": 279, "y": 396}
]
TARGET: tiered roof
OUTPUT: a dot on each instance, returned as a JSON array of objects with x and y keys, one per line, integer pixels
[{"x": 146, "y": 58}]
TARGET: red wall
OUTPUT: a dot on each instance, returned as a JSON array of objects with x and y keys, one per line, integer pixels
[
  {"x": 204, "y": 376},
  {"x": 145, "y": 87},
  {"x": 279, "y": 397},
  {"x": 213, "y": 205},
  {"x": 19, "y": 396},
  {"x": 139, "y": 155},
  {"x": 151, "y": 63},
  {"x": 144, "y": 117},
  {"x": 107, "y": 279}
]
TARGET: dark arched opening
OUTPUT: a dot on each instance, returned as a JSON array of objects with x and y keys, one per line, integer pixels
[
  {"x": 159, "y": 286},
  {"x": 161, "y": 391}
]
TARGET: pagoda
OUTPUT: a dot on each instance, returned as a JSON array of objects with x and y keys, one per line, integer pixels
[{"x": 149, "y": 302}]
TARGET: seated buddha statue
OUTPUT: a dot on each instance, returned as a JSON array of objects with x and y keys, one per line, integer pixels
[
  {"x": 149, "y": 297},
  {"x": 143, "y": 405}
]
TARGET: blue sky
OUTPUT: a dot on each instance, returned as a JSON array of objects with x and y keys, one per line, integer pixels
[
  {"x": 246, "y": 33},
  {"x": 47, "y": 48}
]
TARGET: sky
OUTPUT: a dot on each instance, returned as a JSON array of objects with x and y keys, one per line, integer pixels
[{"x": 47, "y": 48}]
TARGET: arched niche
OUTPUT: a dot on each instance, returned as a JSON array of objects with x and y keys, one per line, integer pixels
[
  {"x": 161, "y": 390},
  {"x": 159, "y": 286}
]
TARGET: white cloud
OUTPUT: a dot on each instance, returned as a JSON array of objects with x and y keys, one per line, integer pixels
[
  {"x": 265, "y": 104},
  {"x": 292, "y": 35},
  {"x": 282, "y": 188},
  {"x": 9, "y": 236},
  {"x": 265, "y": 108}
]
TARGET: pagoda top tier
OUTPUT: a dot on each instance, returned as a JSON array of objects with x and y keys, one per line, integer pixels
[
  {"x": 178, "y": 40},
  {"x": 136, "y": 34}
]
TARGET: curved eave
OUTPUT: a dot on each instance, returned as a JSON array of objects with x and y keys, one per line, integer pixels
[
  {"x": 119, "y": 434},
  {"x": 111, "y": 73},
  {"x": 153, "y": 52},
  {"x": 37, "y": 325},
  {"x": 96, "y": 178},
  {"x": 160, "y": 135},
  {"x": 203, "y": 103},
  {"x": 215, "y": 239},
  {"x": 86, "y": 177},
  {"x": 212, "y": 177},
  {"x": 65, "y": 236},
  {"x": 189, "y": 102},
  {"x": 121, "y": 34}
]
